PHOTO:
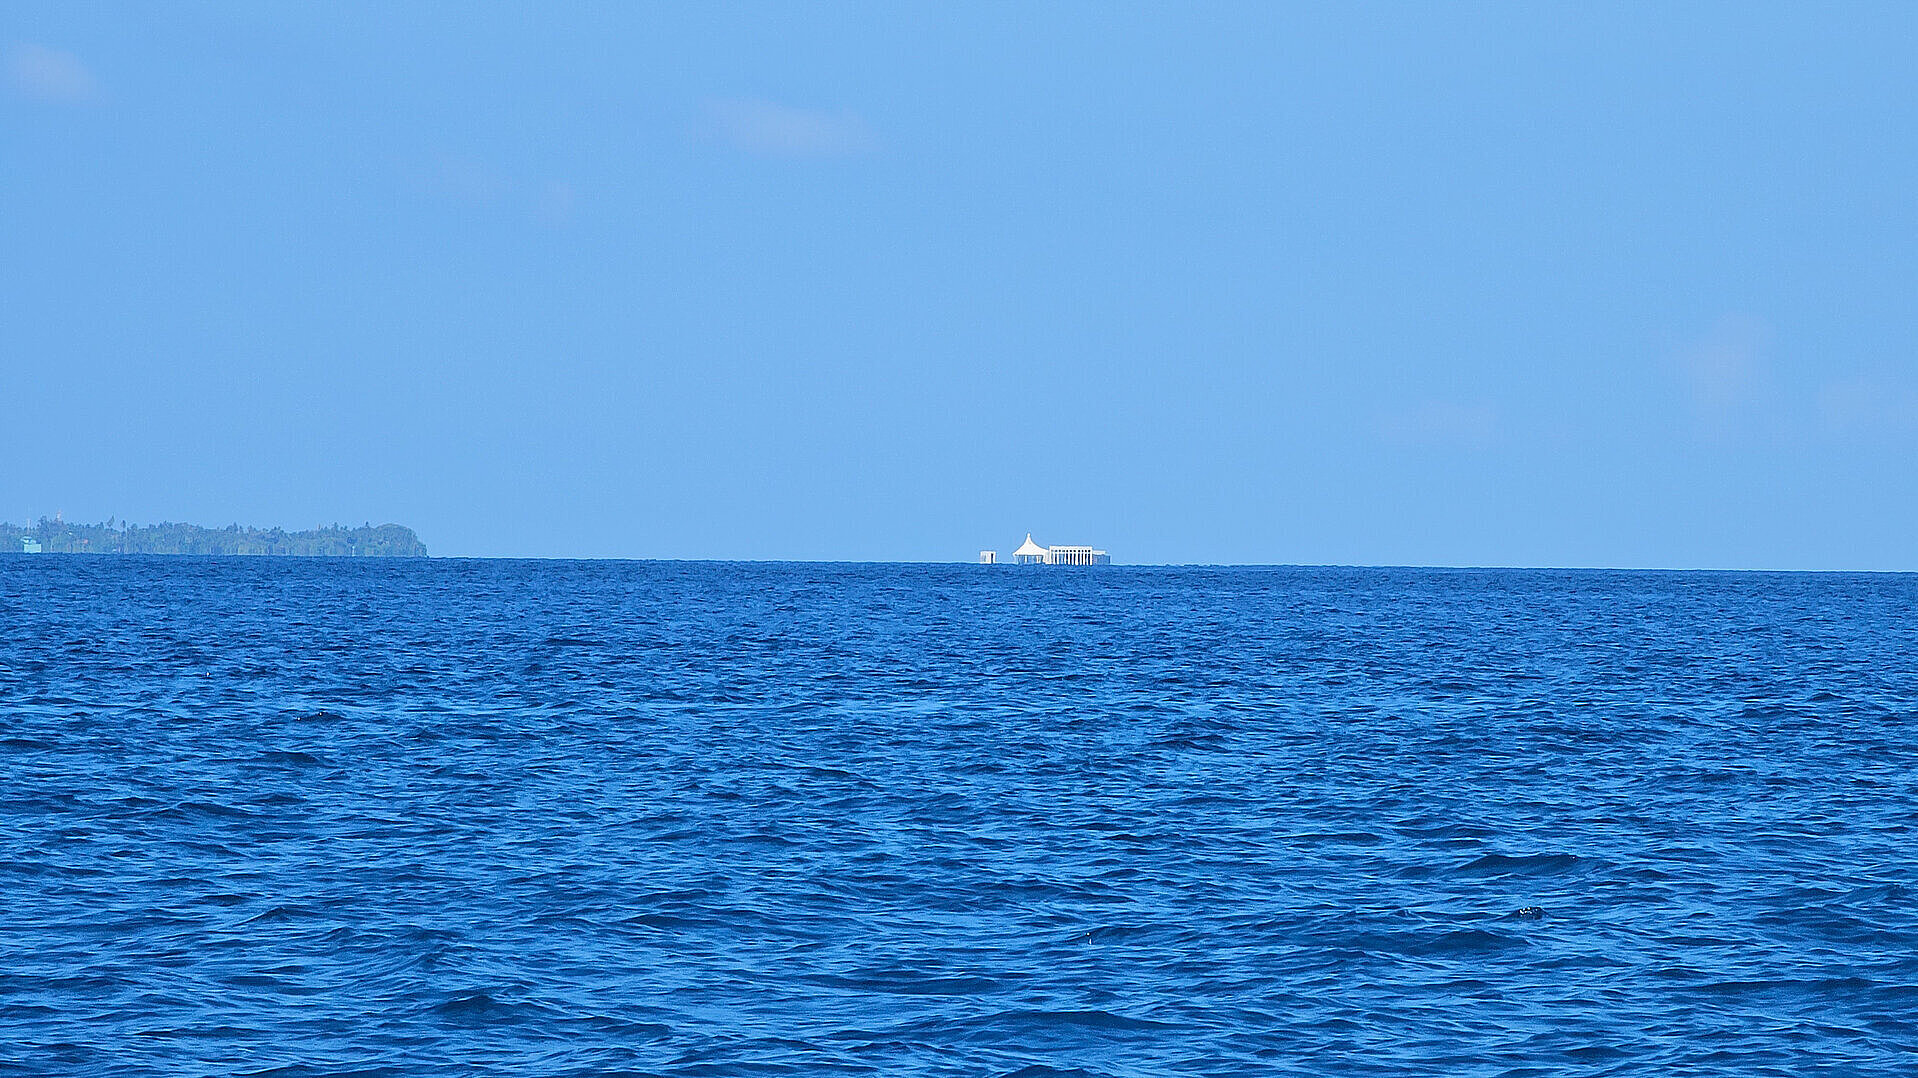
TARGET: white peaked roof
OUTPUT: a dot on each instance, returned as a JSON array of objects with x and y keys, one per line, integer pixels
[{"x": 1029, "y": 547}]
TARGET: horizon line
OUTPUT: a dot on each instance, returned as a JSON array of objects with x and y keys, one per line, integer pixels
[
  {"x": 1005, "y": 566},
  {"x": 1466, "y": 567}
]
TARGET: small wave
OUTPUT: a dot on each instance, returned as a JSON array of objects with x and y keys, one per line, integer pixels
[
  {"x": 906, "y": 983},
  {"x": 1353, "y": 838},
  {"x": 278, "y": 915},
  {"x": 1471, "y": 941},
  {"x": 1538, "y": 864},
  {"x": 1075, "y": 1019},
  {"x": 482, "y": 1005}
]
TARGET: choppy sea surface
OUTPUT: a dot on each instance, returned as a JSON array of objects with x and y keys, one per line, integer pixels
[{"x": 602, "y": 818}]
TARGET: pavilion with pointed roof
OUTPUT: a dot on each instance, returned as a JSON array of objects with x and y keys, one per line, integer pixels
[{"x": 1031, "y": 553}]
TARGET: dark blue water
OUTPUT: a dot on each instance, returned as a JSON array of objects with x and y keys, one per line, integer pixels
[{"x": 458, "y": 818}]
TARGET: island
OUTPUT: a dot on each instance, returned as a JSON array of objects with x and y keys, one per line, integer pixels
[{"x": 332, "y": 541}]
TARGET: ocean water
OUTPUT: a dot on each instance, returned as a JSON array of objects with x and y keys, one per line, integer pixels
[{"x": 600, "y": 818}]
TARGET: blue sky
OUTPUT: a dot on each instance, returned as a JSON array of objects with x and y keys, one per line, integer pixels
[{"x": 1403, "y": 284}]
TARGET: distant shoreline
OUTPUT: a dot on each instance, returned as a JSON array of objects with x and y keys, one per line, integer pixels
[{"x": 235, "y": 540}]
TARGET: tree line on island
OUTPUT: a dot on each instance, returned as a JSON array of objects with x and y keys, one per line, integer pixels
[{"x": 332, "y": 541}]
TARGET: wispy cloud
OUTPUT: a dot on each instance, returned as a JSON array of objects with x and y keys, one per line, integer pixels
[
  {"x": 554, "y": 202},
  {"x": 1868, "y": 405},
  {"x": 456, "y": 178},
  {"x": 1439, "y": 424},
  {"x": 770, "y": 129},
  {"x": 1725, "y": 373},
  {"x": 478, "y": 185},
  {"x": 48, "y": 74}
]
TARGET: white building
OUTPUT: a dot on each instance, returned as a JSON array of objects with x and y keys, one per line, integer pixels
[
  {"x": 988, "y": 557},
  {"x": 29, "y": 545},
  {"x": 1031, "y": 553},
  {"x": 1076, "y": 555}
]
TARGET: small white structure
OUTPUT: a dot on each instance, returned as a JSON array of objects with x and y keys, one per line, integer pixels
[
  {"x": 988, "y": 557},
  {"x": 1031, "y": 553},
  {"x": 29, "y": 545}
]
